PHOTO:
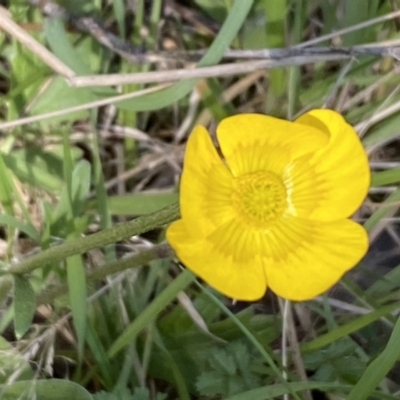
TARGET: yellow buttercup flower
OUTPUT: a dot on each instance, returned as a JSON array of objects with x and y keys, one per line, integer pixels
[{"x": 273, "y": 211}]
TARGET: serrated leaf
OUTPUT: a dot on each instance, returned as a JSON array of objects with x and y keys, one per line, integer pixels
[
  {"x": 222, "y": 362},
  {"x": 210, "y": 383},
  {"x": 24, "y": 305},
  {"x": 232, "y": 371}
]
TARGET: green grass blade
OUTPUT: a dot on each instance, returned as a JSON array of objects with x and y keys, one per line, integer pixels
[
  {"x": 150, "y": 313},
  {"x": 179, "y": 379},
  {"x": 76, "y": 280},
  {"x": 27, "y": 228},
  {"x": 385, "y": 284},
  {"x": 27, "y": 171},
  {"x": 387, "y": 177},
  {"x": 226, "y": 35},
  {"x": 119, "y": 12},
  {"x": 349, "y": 328},
  {"x": 100, "y": 356},
  {"x": 80, "y": 186},
  {"x": 140, "y": 203},
  {"x": 101, "y": 194},
  {"x": 384, "y": 209},
  {"x": 76, "y": 277},
  {"x": 6, "y": 188},
  {"x": 378, "y": 368},
  {"x": 275, "y": 16}
]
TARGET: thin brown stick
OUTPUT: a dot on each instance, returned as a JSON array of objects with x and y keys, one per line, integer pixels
[
  {"x": 134, "y": 54},
  {"x": 351, "y": 29},
  {"x": 386, "y": 48},
  {"x": 15, "y": 31},
  {"x": 205, "y": 72},
  {"x": 87, "y": 106}
]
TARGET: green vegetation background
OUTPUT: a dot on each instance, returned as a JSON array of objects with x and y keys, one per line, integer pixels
[{"x": 108, "y": 314}]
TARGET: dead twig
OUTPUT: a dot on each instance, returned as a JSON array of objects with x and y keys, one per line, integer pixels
[{"x": 14, "y": 30}]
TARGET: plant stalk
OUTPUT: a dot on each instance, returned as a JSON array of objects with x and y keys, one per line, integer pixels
[{"x": 100, "y": 239}]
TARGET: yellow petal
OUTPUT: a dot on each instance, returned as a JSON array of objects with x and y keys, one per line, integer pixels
[
  {"x": 309, "y": 257},
  {"x": 205, "y": 187},
  {"x": 255, "y": 142},
  {"x": 333, "y": 182},
  {"x": 213, "y": 260}
]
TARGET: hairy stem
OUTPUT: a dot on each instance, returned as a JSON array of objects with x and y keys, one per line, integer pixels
[
  {"x": 162, "y": 250},
  {"x": 100, "y": 239}
]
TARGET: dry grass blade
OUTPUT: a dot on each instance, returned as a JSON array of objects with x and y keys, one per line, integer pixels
[
  {"x": 87, "y": 106},
  {"x": 14, "y": 30},
  {"x": 205, "y": 72},
  {"x": 350, "y": 29}
]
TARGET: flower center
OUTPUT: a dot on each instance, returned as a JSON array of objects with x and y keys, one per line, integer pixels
[{"x": 259, "y": 198}]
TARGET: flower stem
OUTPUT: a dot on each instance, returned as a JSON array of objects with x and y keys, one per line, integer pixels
[
  {"x": 100, "y": 239},
  {"x": 285, "y": 304},
  {"x": 162, "y": 250}
]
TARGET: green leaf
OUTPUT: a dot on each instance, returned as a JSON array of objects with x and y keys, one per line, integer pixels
[
  {"x": 231, "y": 371},
  {"x": 58, "y": 95},
  {"x": 51, "y": 389},
  {"x": 337, "y": 362},
  {"x": 24, "y": 305},
  {"x": 6, "y": 283},
  {"x": 56, "y": 36},
  {"x": 140, "y": 203}
]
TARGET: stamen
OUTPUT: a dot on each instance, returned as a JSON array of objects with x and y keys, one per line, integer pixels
[{"x": 259, "y": 198}]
